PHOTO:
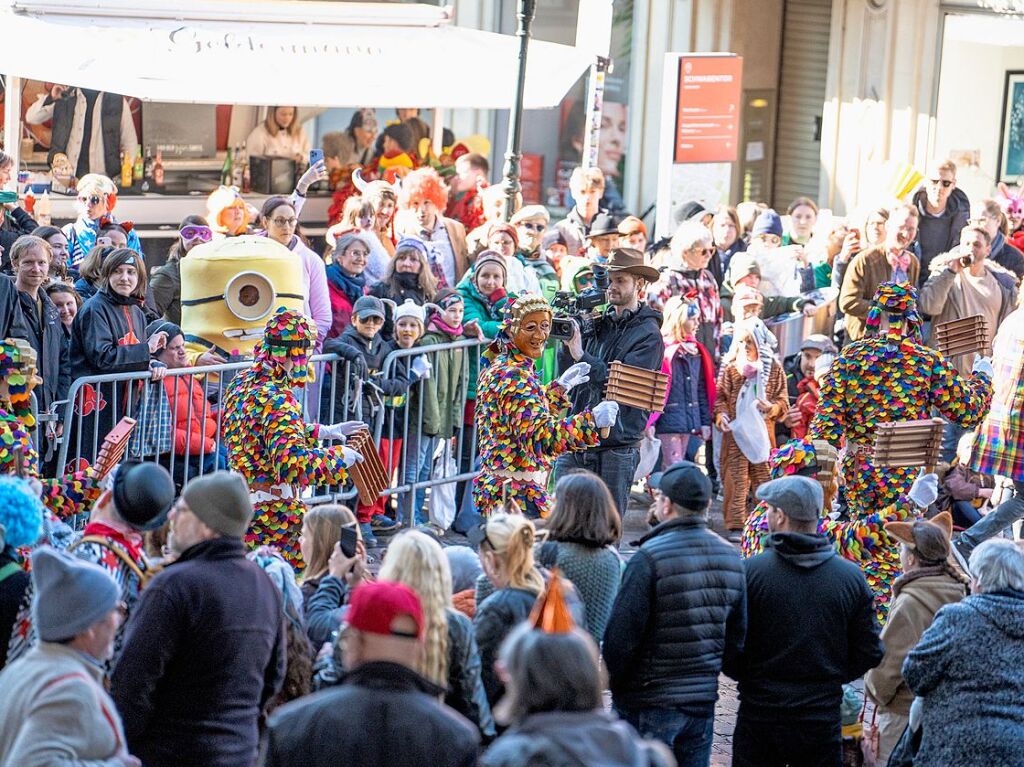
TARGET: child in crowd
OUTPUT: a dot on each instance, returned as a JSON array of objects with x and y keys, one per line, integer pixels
[
  {"x": 686, "y": 423},
  {"x": 363, "y": 335},
  {"x": 555, "y": 247},
  {"x": 809, "y": 391},
  {"x": 963, "y": 492},
  {"x": 744, "y": 367}
]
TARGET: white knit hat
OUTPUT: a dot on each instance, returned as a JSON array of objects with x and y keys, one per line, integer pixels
[{"x": 410, "y": 308}]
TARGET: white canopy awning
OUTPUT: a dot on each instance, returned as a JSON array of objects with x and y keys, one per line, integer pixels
[{"x": 308, "y": 54}]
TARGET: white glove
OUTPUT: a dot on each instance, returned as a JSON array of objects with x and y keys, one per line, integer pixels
[
  {"x": 314, "y": 173},
  {"x": 575, "y": 375},
  {"x": 421, "y": 368},
  {"x": 340, "y": 430},
  {"x": 606, "y": 414},
  {"x": 350, "y": 456},
  {"x": 925, "y": 490},
  {"x": 983, "y": 365}
]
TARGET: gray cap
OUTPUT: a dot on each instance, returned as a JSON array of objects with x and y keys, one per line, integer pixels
[
  {"x": 799, "y": 498},
  {"x": 368, "y": 306},
  {"x": 818, "y": 342},
  {"x": 71, "y": 594},
  {"x": 222, "y": 502}
]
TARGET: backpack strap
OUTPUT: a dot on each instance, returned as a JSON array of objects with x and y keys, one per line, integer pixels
[
  {"x": 119, "y": 552},
  {"x": 8, "y": 570}
]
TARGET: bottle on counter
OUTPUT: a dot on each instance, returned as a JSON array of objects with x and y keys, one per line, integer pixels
[
  {"x": 227, "y": 170},
  {"x": 236, "y": 169},
  {"x": 158, "y": 169},
  {"x": 138, "y": 169},
  {"x": 126, "y": 171},
  {"x": 43, "y": 210},
  {"x": 246, "y": 178}
]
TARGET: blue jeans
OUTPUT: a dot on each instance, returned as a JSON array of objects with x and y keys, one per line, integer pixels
[
  {"x": 690, "y": 737},
  {"x": 951, "y": 434},
  {"x": 997, "y": 520},
  {"x": 615, "y": 465},
  {"x": 419, "y": 450}
]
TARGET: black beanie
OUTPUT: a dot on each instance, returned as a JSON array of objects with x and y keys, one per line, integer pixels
[{"x": 143, "y": 494}]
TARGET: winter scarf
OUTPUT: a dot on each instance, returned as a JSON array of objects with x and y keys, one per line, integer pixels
[{"x": 351, "y": 286}]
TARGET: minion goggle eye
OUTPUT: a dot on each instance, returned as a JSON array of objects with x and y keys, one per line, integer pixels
[{"x": 250, "y": 296}]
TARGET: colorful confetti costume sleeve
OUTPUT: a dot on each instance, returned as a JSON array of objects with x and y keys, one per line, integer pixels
[
  {"x": 521, "y": 431},
  {"x": 883, "y": 379},
  {"x": 269, "y": 443}
]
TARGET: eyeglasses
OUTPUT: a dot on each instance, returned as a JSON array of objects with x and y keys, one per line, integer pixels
[
  {"x": 705, "y": 251},
  {"x": 283, "y": 222},
  {"x": 358, "y": 255},
  {"x": 93, "y": 199},
  {"x": 203, "y": 233},
  {"x": 533, "y": 227},
  {"x": 946, "y": 183}
]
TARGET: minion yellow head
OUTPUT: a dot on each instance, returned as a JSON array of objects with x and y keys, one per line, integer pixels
[{"x": 231, "y": 287}]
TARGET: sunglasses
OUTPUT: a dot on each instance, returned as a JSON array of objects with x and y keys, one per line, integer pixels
[
  {"x": 93, "y": 199},
  {"x": 203, "y": 233},
  {"x": 946, "y": 183},
  {"x": 534, "y": 227}
]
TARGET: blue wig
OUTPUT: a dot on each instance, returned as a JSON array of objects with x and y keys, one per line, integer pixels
[{"x": 21, "y": 512}]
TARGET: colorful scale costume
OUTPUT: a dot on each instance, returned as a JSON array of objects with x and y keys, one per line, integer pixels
[
  {"x": 883, "y": 378},
  {"x": 267, "y": 440},
  {"x": 861, "y": 540},
  {"x": 891, "y": 377},
  {"x": 64, "y": 497},
  {"x": 519, "y": 421}
]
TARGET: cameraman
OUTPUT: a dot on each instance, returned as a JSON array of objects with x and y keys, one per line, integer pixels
[{"x": 628, "y": 331}]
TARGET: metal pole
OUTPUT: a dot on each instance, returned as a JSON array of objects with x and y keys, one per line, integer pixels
[
  {"x": 12, "y": 122},
  {"x": 524, "y": 16},
  {"x": 595, "y": 106}
]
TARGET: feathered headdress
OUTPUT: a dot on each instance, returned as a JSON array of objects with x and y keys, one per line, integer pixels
[{"x": 550, "y": 613}]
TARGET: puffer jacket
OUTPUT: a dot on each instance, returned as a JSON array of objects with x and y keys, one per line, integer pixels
[
  {"x": 680, "y": 611},
  {"x": 495, "y": 617},
  {"x": 633, "y": 339},
  {"x": 465, "y": 684},
  {"x": 195, "y": 424}
]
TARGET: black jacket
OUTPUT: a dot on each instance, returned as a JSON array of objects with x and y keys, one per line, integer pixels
[
  {"x": 680, "y": 612},
  {"x": 12, "y": 321},
  {"x": 407, "y": 289},
  {"x": 203, "y": 652},
  {"x": 634, "y": 339},
  {"x": 13, "y": 583},
  {"x": 108, "y": 109},
  {"x": 13, "y": 224},
  {"x": 465, "y": 683},
  {"x": 49, "y": 338},
  {"x": 939, "y": 234},
  {"x": 811, "y": 628},
  {"x": 100, "y": 326},
  {"x": 381, "y": 714},
  {"x": 495, "y": 617},
  {"x": 372, "y": 353}
]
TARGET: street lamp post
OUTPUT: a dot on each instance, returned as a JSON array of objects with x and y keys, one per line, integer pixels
[{"x": 524, "y": 18}]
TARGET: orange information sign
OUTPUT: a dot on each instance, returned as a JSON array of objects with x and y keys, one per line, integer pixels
[{"x": 708, "y": 108}]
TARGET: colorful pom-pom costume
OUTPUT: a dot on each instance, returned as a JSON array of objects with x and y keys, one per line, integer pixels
[
  {"x": 64, "y": 497},
  {"x": 861, "y": 540},
  {"x": 520, "y": 422},
  {"x": 268, "y": 441}
]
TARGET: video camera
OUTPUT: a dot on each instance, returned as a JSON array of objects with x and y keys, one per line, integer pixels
[{"x": 569, "y": 306}]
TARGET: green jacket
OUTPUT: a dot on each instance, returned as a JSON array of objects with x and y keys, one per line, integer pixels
[
  {"x": 488, "y": 317},
  {"x": 442, "y": 402}
]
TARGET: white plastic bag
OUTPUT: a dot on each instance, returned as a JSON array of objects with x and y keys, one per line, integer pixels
[
  {"x": 748, "y": 427},
  {"x": 650, "y": 449},
  {"x": 441, "y": 507}
]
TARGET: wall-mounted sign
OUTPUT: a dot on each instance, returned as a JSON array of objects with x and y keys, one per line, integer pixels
[{"x": 708, "y": 108}]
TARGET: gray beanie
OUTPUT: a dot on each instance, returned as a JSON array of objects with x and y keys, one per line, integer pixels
[
  {"x": 221, "y": 501},
  {"x": 70, "y": 594}
]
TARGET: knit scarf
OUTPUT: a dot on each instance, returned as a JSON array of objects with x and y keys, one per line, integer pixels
[
  {"x": 443, "y": 326},
  {"x": 688, "y": 345},
  {"x": 407, "y": 280},
  {"x": 351, "y": 286}
]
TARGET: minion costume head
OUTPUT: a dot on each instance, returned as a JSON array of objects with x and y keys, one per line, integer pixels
[
  {"x": 229, "y": 289},
  {"x": 288, "y": 338}
]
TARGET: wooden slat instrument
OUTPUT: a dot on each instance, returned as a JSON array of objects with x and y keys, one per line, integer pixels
[{"x": 908, "y": 443}]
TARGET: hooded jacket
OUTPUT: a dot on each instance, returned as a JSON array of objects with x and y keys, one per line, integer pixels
[
  {"x": 49, "y": 338},
  {"x": 569, "y": 739},
  {"x": 810, "y": 629},
  {"x": 919, "y": 595},
  {"x": 937, "y": 234},
  {"x": 633, "y": 338},
  {"x": 967, "y": 669},
  {"x": 109, "y": 336}
]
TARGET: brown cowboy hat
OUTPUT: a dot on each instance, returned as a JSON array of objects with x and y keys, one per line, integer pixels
[{"x": 631, "y": 261}]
